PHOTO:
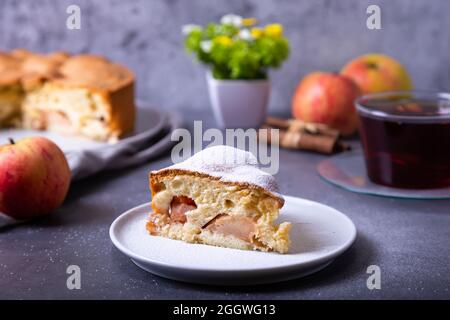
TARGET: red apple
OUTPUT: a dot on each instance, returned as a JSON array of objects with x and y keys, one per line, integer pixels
[
  {"x": 327, "y": 98},
  {"x": 377, "y": 73},
  {"x": 34, "y": 177}
]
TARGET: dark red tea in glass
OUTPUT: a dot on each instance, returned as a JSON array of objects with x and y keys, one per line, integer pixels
[{"x": 406, "y": 138}]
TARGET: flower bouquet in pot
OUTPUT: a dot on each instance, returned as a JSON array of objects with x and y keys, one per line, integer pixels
[{"x": 238, "y": 54}]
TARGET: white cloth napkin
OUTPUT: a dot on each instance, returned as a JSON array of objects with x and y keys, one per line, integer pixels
[{"x": 131, "y": 151}]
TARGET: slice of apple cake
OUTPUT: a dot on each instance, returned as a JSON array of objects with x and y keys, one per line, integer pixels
[{"x": 218, "y": 197}]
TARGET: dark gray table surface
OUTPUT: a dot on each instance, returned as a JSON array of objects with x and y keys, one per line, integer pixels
[{"x": 408, "y": 239}]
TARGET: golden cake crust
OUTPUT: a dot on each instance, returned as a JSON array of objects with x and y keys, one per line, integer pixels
[
  {"x": 155, "y": 177},
  {"x": 95, "y": 72},
  {"x": 10, "y": 69}
]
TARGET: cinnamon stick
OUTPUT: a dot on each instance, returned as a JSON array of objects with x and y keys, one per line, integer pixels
[
  {"x": 301, "y": 126},
  {"x": 296, "y": 140},
  {"x": 313, "y": 128},
  {"x": 278, "y": 123}
]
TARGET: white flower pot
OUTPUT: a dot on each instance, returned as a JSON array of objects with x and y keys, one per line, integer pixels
[{"x": 239, "y": 103}]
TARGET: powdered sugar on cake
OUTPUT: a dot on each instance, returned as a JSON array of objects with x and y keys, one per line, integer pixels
[{"x": 229, "y": 164}]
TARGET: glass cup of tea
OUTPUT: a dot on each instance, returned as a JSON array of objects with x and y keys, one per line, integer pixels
[{"x": 406, "y": 138}]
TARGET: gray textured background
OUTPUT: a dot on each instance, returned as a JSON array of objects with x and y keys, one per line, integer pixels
[
  {"x": 324, "y": 34},
  {"x": 408, "y": 239}
]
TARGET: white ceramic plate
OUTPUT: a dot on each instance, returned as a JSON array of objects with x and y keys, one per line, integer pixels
[
  {"x": 319, "y": 235},
  {"x": 146, "y": 119}
]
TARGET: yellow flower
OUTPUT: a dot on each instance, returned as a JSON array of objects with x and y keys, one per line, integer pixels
[
  {"x": 223, "y": 40},
  {"x": 257, "y": 32},
  {"x": 274, "y": 30},
  {"x": 248, "y": 22}
]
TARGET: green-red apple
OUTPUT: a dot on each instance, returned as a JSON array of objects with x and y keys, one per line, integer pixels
[
  {"x": 327, "y": 98},
  {"x": 377, "y": 73},
  {"x": 34, "y": 177}
]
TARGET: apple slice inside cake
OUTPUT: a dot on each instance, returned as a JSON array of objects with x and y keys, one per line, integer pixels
[{"x": 218, "y": 197}]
